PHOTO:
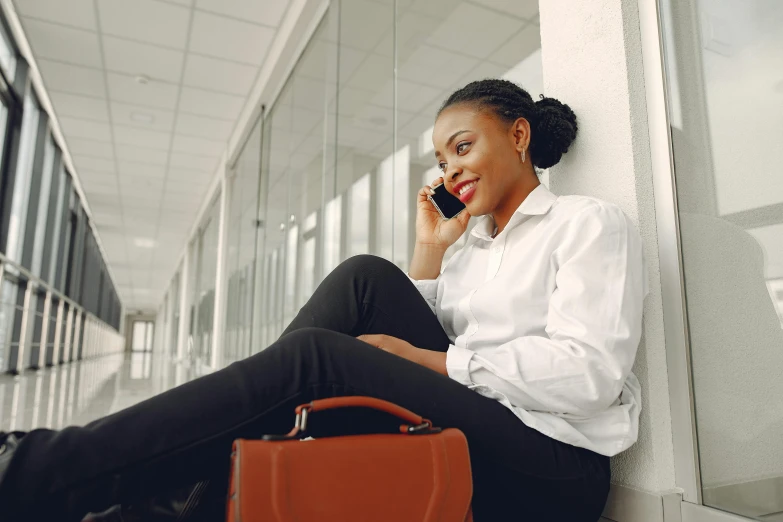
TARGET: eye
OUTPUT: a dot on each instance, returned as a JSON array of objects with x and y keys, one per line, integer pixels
[
  {"x": 442, "y": 166},
  {"x": 462, "y": 147}
]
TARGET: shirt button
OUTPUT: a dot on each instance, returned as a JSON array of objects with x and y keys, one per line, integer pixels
[{"x": 496, "y": 250}]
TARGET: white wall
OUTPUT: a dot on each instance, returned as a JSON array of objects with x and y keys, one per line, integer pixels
[{"x": 592, "y": 60}]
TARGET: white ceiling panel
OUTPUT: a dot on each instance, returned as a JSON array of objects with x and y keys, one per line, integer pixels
[
  {"x": 130, "y": 170},
  {"x": 63, "y": 44},
  {"x": 78, "y": 106},
  {"x": 145, "y": 118},
  {"x": 462, "y": 21},
  {"x": 146, "y": 21},
  {"x": 73, "y": 79},
  {"x": 218, "y": 75},
  {"x": 141, "y": 154},
  {"x": 525, "y": 9},
  {"x": 89, "y": 129},
  {"x": 518, "y": 47},
  {"x": 268, "y": 13},
  {"x": 91, "y": 148},
  {"x": 194, "y": 162},
  {"x": 208, "y": 103},
  {"x": 92, "y": 164},
  {"x": 189, "y": 144},
  {"x": 141, "y": 137},
  {"x": 203, "y": 127},
  {"x": 234, "y": 40},
  {"x": 136, "y": 59},
  {"x": 77, "y": 13},
  {"x": 155, "y": 94}
]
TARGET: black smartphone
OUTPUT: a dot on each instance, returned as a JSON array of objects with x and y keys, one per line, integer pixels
[{"x": 447, "y": 205}]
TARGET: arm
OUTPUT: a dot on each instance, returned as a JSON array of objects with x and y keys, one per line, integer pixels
[{"x": 594, "y": 326}]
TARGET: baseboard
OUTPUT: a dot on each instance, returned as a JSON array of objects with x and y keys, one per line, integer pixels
[
  {"x": 751, "y": 499},
  {"x": 632, "y": 505}
]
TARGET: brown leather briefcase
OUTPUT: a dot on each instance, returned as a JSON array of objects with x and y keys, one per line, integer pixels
[{"x": 421, "y": 474}]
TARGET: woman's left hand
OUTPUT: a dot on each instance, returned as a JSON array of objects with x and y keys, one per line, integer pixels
[{"x": 433, "y": 360}]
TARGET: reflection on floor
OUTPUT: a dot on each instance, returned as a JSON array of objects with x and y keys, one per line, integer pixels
[{"x": 78, "y": 393}]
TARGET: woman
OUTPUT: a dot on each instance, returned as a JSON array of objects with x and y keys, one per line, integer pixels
[{"x": 529, "y": 350}]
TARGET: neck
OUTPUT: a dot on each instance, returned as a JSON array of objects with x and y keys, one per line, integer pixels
[{"x": 504, "y": 211}]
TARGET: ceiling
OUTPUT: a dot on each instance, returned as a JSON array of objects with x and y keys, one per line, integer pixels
[{"x": 147, "y": 93}]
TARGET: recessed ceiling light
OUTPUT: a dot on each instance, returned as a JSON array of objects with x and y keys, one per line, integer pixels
[
  {"x": 144, "y": 242},
  {"x": 142, "y": 117},
  {"x": 143, "y": 79}
]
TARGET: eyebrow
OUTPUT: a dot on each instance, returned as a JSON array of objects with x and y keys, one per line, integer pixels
[{"x": 448, "y": 142}]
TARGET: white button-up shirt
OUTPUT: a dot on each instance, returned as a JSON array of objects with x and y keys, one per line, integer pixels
[{"x": 546, "y": 318}]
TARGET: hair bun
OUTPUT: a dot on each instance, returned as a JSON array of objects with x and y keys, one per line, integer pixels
[{"x": 554, "y": 131}]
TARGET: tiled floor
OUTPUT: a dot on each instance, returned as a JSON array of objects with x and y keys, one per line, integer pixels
[{"x": 77, "y": 393}]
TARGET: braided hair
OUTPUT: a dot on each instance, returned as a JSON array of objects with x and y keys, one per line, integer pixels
[{"x": 553, "y": 124}]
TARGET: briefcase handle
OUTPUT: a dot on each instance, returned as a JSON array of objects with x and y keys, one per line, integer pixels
[{"x": 416, "y": 424}]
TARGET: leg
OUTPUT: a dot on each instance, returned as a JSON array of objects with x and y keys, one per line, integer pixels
[
  {"x": 185, "y": 435},
  {"x": 370, "y": 295}
]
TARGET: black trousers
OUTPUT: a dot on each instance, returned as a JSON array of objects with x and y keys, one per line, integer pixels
[{"x": 184, "y": 435}]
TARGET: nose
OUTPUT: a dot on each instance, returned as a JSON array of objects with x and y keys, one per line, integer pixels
[{"x": 453, "y": 172}]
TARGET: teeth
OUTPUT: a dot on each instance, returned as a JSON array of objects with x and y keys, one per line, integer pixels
[{"x": 467, "y": 187}]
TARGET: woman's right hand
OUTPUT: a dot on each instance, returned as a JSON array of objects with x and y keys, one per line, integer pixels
[{"x": 433, "y": 230}]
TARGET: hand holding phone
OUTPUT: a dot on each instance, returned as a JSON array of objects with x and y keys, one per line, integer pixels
[
  {"x": 441, "y": 218},
  {"x": 447, "y": 205}
]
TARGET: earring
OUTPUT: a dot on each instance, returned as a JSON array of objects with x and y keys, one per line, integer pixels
[{"x": 522, "y": 155}]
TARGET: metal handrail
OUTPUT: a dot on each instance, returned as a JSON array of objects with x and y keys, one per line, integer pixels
[{"x": 5, "y": 261}]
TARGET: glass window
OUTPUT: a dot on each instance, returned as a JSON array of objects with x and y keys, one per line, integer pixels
[
  {"x": 359, "y": 242},
  {"x": 332, "y": 230},
  {"x": 24, "y": 167},
  {"x": 7, "y": 54},
  {"x": 43, "y": 205},
  {"x": 723, "y": 61}
]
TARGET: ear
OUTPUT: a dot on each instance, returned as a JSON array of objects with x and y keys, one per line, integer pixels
[{"x": 520, "y": 133}]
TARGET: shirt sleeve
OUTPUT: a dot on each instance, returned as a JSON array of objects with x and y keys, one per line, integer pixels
[
  {"x": 594, "y": 325},
  {"x": 428, "y": 288}
]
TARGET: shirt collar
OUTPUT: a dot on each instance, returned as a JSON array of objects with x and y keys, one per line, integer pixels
[{"x": 537, "y": 203}]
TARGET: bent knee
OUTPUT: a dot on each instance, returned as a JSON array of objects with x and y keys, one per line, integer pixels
[{"x": 371, "y": 265}]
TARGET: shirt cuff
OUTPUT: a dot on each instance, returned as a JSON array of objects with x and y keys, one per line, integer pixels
[
  {"x": 428, "y": 288},
  {"x": 458, "y": 364}
]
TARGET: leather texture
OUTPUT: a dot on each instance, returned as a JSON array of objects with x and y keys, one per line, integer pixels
[{"x": 383, "y": 477}]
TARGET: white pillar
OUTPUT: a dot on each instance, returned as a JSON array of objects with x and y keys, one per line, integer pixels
[
  {"x": 45, "y": 330},
  {"x": 592, "y": 60},
  {"x": 24, "y": 340},
  {"x": 77, "y": 335},
  {"x": 184, "y": 313},
  {"x": 68, "y": 335},
  {"x": 218, "y": 318}
]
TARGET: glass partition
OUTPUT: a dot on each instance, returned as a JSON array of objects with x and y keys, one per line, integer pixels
[
  {"x": 346, "y": 144},
  {"x": 725, "y": 100}
]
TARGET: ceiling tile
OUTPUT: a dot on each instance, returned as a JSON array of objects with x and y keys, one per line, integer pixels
[
  {"x": 130, "y": 169},
  {"x": 71, "y": 78},
  {"x": 201, "y": 126},
  {"x": 207, "y": 103},
  {"x": 64, "y": 44},
  {"x": 160, "y": 95},
  {"x": 194, "y": 162},
  {"x": 267, "y": 13},
  {"x": 520, "y": 8},
  {"x": 189, "y": 144},
  {"x": 79, "y": 128},
  {"x": 78, "y": 13},
  {"x": 234, "y": 40},
  {"x": 96, "y": 177},
  {"x": 142, "y": 117},
  {"x": 518, "y": 47},
  {"x": 95, "y": 165},
  {"x": 141, "y": 154},
  {"x": 142, "y": 59},
  {"x": 145, "y": 20},
  {"x": 186, "y": 3},
  {"x": 211, "y": 73},
  {"x": 141, "y": 137},
  {"x": 457, "y": 32},
  {"x": 67, "y": 104},
  {"x": 92, "y": 148}
]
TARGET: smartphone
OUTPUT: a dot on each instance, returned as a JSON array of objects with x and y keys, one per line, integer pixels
[{"x": 447, "y": 205}]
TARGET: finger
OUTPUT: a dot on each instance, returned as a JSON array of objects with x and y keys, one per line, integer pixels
[{"x": 437, "y": 181}]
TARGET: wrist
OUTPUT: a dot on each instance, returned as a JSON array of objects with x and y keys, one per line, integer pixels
[{"x": 433, "y": 248}]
